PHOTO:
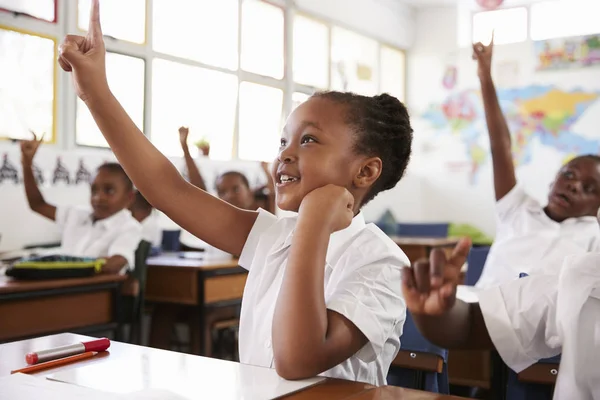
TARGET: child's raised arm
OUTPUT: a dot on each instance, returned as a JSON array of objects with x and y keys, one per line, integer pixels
[
  {"x": 34, "y": 197},
  {"x": 212, "y": 220},
  {"x": 193, "y": 172},
  {"x": 500, "y": 143},
  {"x": 430, "y": 292}
]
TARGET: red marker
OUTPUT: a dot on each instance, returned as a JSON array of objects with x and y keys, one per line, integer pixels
[{"x": 97, "y": 345}]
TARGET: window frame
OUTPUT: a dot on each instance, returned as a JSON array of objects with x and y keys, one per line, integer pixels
[{"x": 527, "y": 8}]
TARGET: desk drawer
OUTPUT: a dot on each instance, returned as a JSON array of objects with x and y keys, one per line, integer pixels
[
  {"x": 172, "y": 285},
  {"x": 224, "y": 287},
  {"x": 540, "y": 373}
]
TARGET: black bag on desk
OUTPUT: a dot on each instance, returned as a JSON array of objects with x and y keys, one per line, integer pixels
[{"x": 54, "y": 267}]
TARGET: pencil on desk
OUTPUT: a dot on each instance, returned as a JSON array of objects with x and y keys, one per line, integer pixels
[{"x": 54, "y": 363}]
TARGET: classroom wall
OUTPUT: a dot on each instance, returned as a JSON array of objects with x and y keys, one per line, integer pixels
[{"x": 456, "y": 185}]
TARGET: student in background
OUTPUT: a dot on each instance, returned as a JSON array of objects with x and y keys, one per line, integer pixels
[
  {"x": 109, "y": 231},
  {"x": 142, "y": 211},
  {"x": 232, "y": 186},
  {"x": 525, "y": 320},
  {"x": 323, "y": 290},
  {"x": 527, "y": 231}
]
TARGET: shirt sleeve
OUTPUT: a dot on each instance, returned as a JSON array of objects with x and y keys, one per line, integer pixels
[
  {"x": 511, "y": 201},
  {"x": 520, "y": 317},
  {"x": 370, "y": 297},
  {"x": 63, "y": 213},
  {"x": 263, "y": 222},
  {"x": 126, "y": 243}
]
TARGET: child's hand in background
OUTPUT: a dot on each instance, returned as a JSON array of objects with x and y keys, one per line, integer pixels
[
  {"x": 483, "y": 55},
  {"x": 183, "y": 135},
  {"x": 29, "y": 148},
  {"x": 84, "y": 56},
  {"x": 332, "y": 205},
  {"x": 429, "y": 287}
]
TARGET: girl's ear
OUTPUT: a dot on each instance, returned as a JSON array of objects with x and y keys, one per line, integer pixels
[{"x": 369, "y": 172}]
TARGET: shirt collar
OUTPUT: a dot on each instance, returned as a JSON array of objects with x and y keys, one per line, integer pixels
[
  {"x": 113, "y": 221},
  {"x": 536, "y": 209}
]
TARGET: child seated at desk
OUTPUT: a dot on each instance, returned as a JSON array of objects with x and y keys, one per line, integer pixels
[
  {"x": 528, "y": 232},
  {"x": 323, "y": 289},
  {"x": 525, "y": 320},
  {"x": 143, "y": 213},
  {"x": 109, "y": 231}
]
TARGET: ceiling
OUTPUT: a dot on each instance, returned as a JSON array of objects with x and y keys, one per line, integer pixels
[{"x": 429, "y": 3}]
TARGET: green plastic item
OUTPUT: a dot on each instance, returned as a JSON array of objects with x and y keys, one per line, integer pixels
[{"x": 465, "y": 230}]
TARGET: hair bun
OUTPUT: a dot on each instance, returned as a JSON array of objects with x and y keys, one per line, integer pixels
[{"x": 389, "y": 102}]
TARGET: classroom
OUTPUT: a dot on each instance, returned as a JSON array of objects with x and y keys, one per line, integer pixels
[{"x": 299, "y": 199}]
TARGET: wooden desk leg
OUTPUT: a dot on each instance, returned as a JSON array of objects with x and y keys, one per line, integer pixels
[
  {"x": 199, "y": 345},
  {"x": 118, "y": 312}
]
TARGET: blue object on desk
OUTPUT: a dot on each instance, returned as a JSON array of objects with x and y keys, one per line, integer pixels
[
  {"x": 413, "y": 341},
  {"x": 437, "y": 230},
  {"x": 170, "y": 240},
  {"x": 476, "y": 261}
]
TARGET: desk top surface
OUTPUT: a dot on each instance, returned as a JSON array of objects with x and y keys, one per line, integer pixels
[
  {"x": 424, "y": 241},
  {"x": 175, "y": 261},
  {"x": 10, "y": 285},
  {"x": 130, "y": 368}
]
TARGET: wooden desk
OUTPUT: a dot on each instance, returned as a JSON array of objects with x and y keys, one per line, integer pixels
[
  {"x": 206, "y": 285},
  {"x": 144, "y": 367},
  {"x": 33, "y": 308},
  {"x": 420, "y": 247}
]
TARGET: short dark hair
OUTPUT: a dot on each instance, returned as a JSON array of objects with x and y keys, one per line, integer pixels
[
  {"x": 116, "y": 168},
  {"x": 235, "y": 173},
  {"x": 591, "y": 157},
  {"x": 140, "y": 202},
  {"x": 382, "y": 125}
]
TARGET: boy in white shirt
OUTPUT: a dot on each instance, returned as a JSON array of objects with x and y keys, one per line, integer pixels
[
  {"x": 143, "y": 213},
  {"x": 528, "y": 232},
  {"x": 314, "y": 302},
  {"x": 525, "y": 320},
  {"x": 109, "y": 231}
]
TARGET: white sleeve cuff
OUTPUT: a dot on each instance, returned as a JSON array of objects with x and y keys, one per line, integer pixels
[
  {"x": 264, "y": 221},
  {"x": 62, "y": 213},
  {"x": 514, "y": 198},
  {"x": 501, "y": 331}
]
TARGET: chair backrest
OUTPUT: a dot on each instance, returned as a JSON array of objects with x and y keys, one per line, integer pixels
[
  {"x": 140, "y": 273},
  {"x": 437, "y": 230},
  {"x": 475, "y": 261}
]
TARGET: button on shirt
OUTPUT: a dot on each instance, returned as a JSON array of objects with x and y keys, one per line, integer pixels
[
  {"x": 119, "y": 234},
  {"x": 542, "y": 316},
  {"x": 526, "y": 235},
  {"x": 362, "y": 283}
]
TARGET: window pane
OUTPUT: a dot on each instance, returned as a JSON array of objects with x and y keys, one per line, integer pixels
[
  {"x": 393, "y": 72},
  {"x": 262, "y": 38},
  {"x": 209, "y": 27},
  {"x": 311, "y": 52},
  {"x": 201, "y": 99},
  {"x": 43, "y": 9},
  {"x": 125, "y": 20},
  {"x": 353, "y": 62},
  {"x": 260, "y": 121},
  {"x": 26, "y": 85},
  {"x": 126, "y": 80},
  {"x": 509, "y": 26},
  {"x": 577, "y": 18},
  {"x": 298, "y": 98}
]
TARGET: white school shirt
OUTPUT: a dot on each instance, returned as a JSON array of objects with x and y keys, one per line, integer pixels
[
  {"x": 118, "y": 235},
  {"x": 151, "y": 231},
  {"x": 362, "y": 283},
  {"x": 526, "y": 235},
  {"x": 541, "y": 316}
]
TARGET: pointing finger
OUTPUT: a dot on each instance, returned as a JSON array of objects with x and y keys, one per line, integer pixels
[{"x": 95, "y": 29}]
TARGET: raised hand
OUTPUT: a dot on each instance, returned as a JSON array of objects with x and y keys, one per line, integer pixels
[
  {"x": 183, "y": 135},
  {"x": 29, "y": 148},
  {"x": 332, "y": 205},
  {"x": 483, "y": 55},
  {"x": 429, "y": 287},
  {"x": 84, "y": 56}
]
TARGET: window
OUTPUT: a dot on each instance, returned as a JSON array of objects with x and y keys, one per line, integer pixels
[
  {"x": 209, "y": 29},
  {"x": 126, "y": 80},
  {"x": 353, "y": 62},
  {"x": 42, "y": 9},
  {"x": 311, "y": 52},
  {"x": 298, "y": 98},
  {"x": 262, "y": 38},
  {"x": 125, "y": 20},
  {"x": 260, "y": 121},
  {"x": 577, "y": 18},
  {"x": 201, "y": 99},
  {"x": 27, "y": 84},
  {"x": 393, "y": 72},
  {"x": 509, "y": 26}
]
